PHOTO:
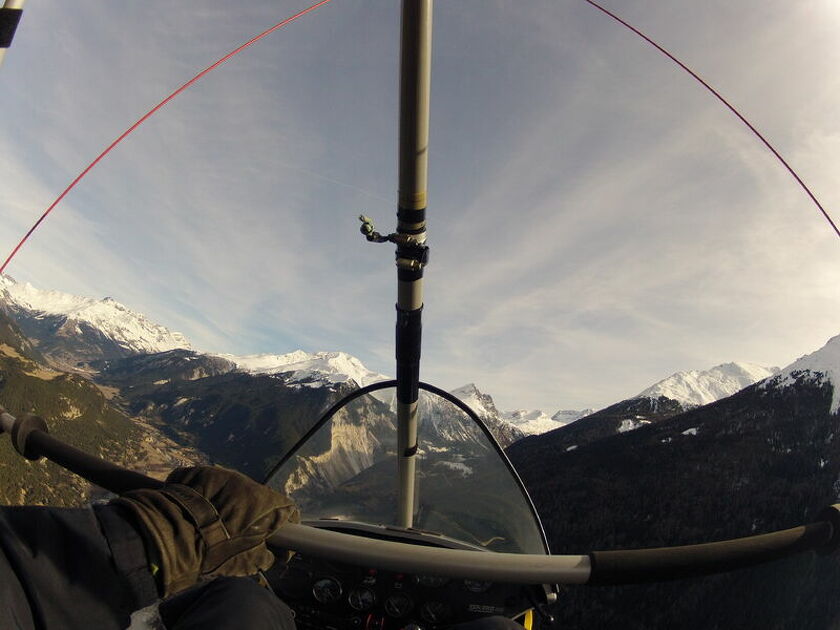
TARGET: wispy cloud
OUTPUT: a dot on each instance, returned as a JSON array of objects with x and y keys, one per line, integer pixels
[{"x": 597, "y": 221}]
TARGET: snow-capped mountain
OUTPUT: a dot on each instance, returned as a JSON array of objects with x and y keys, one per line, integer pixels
[
  {"x": 300, "y": 366},
  {"x": 482, "y": 404},
  {"x": 441, "y": 421},
  {"x": 69, "y": 328},
  {"x": 669, "y": 397},
  {"x": 537, "y": 422},
  {"x": 822, "y": 366},
  {"x": 683, "y": 390},
  {"x": 694, "y": 388},
  {"x": 531, "y": 421}
]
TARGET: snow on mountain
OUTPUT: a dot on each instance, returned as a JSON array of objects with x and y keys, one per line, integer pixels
[
  {"x": 820, "y": 366},
  {"x": 300, "y": 366},
  {"x": 481, "y": 404},
  {"x": 532, "y": 422},
  {"x": 694, "y": 388},
  {"x": 537, "y": 422},
  {"x": 130, "y": 330}
]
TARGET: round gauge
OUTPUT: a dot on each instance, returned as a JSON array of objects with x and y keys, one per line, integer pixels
[
  {"x": 435, "y": 612},
  {"x": 327, "y": 590},
  {"x": 431, "y": 581},
  {"x": 474, "y": 586},
  {"x": 398, "y": 605},
  {"x": 361, "y": 599}
]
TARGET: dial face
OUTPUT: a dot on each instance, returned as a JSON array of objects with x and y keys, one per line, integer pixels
[
  {"x": 475, "y": 586},
  {"x": 431, "y": 581},
  {"x": 361, "y": 599},
  {"x": 435, "y": 612},
  {"x": 398, "y": 605},
  {"x": 327, "y": 590}
]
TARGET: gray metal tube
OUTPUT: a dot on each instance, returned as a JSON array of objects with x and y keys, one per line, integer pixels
[
  {"x": 407, "y": 461},
  {"x": 415, "y": 81},
  {"x": 415, "y": 84},
  {"x": 419, "y": 560}
]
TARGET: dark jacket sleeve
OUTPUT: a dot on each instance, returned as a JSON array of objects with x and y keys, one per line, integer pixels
[{"x": 67, "y": 568}]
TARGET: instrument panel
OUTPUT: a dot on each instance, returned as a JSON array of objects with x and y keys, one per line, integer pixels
[{"x": 335, "y": 596}]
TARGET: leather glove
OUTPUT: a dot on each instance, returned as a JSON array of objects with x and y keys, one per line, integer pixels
[{"x": 208, "y": 521}]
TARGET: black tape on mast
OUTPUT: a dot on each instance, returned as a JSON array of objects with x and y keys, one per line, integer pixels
[
  {"x": 408, "y": 344},
  {"x": 9, "y": 20}
]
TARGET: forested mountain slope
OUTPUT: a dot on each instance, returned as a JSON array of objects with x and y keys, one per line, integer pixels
[{"x": 766, "y": 458}]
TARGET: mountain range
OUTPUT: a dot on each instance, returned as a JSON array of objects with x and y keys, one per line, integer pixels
[
  {"x": 81, "y": 333},
  {"x": 71, "y": 330}
]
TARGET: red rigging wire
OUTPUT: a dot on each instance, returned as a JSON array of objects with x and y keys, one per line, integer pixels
[
  {"x": 728, "y": 105},
  {"x": 279, "y": 25},
  {"x": 149, "y": 114}
]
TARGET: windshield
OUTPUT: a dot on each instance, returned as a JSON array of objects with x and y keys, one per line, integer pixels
[{"x": 465, "y": 488}]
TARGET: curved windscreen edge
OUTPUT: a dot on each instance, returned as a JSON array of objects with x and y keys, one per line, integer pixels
[{"x": 328, "y": 415}]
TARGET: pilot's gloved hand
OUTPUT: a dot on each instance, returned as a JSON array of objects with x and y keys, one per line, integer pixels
[{"x": 207, "y": 521}]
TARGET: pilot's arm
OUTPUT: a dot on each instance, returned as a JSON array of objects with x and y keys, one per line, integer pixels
[{"x": 65, "y": 568}]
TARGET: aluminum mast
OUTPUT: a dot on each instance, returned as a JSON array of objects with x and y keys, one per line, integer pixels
[{"x": 412, "y": 253}]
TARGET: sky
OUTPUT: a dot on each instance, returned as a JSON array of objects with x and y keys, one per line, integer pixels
[{"x": 597, "y": 221}]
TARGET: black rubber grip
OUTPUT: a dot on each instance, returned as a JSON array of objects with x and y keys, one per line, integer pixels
[
  {"x": 22, "y": 429},
  {"x": 9, "y": 20},
  {"x": 408, "y": 381},
  {"x": 409, "y": 335},
  {"x": 671, "y": 563}
]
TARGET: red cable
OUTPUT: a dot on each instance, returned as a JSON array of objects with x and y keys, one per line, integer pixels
[
  {"x": 725, "y": 102},
  {"x": 149, "y": 115}
]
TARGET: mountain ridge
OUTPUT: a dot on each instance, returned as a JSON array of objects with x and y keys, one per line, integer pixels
[
  {"x": 76, "y": 332},
  {"x": 72, "y": 327},
  {"x": 822, "y": 366},
  {"x": 697, "y": 388}
]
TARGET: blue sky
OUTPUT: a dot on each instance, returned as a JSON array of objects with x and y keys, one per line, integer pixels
[{"x": 597, "y": 221}]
